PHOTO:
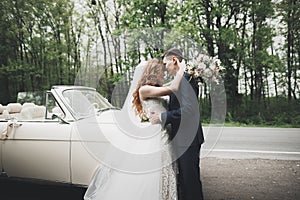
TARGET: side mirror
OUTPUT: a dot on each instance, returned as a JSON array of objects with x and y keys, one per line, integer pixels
[{"x": 55, "y": 116}]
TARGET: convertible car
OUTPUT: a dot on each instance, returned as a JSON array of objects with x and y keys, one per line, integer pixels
[{"x": 42, "y": 142}]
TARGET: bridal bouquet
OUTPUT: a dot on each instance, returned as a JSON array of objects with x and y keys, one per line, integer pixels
[{"x": 206, "y": 68}]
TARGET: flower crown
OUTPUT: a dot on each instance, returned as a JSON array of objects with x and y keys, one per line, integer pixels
[{"x": 206, "y": 68}]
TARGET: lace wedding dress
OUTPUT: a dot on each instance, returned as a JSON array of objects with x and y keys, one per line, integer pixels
[{"x": 111, "y": 184}]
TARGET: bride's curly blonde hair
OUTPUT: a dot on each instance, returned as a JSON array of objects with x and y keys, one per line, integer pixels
[{"x": 150, "y": 76}]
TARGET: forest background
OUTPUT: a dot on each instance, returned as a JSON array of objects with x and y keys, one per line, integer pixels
[{"x": 45, "y": 43}]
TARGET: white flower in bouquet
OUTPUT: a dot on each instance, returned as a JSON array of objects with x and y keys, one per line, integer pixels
[
  {"x": 208, "y": 73},
  {"x": 201, "y": 66},
  {"x": 207, "y": 68}
]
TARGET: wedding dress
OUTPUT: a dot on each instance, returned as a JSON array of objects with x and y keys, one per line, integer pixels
[{"x": 159, "y": 184}]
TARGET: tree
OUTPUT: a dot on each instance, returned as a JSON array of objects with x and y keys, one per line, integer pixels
[{"x": 37, "y": 43}]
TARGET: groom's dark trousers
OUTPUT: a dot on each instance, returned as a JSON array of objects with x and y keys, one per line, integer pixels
[
  {"x": 189, "y": 183},
  {"x": 186, "y": 137}
]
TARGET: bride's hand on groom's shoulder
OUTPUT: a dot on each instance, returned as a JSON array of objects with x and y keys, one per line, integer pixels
[
  {"x": 154, "y": 117},
  {"x": 182, "y": 66}
]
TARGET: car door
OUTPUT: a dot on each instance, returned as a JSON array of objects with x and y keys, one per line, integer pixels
[{"x": 37, "y": 150}]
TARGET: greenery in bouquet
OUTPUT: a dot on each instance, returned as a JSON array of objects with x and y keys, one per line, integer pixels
[{"x": 206, "y": 69}]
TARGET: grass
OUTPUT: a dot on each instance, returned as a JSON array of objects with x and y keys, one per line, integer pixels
[{"x": 238, "y": 124}]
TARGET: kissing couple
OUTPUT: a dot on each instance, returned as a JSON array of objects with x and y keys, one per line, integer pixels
[{"x": 180, "y": 129}]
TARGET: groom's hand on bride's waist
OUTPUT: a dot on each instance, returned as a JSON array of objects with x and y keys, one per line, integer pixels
[{"x": 155, "y": 117}]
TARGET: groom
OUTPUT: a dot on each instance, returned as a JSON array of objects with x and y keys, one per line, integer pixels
[{"x": 186, "y": 130}]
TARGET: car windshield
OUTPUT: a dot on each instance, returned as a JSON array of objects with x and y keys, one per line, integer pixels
[{"x": 85, "y": 102}]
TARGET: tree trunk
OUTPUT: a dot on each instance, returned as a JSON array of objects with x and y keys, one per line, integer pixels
[
  {"x": 207, "y": 33},
  {"x": 289, "y": 46}
]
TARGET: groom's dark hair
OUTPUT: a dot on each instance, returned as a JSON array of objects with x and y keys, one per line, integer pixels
[{"x": 173, "y": 52}]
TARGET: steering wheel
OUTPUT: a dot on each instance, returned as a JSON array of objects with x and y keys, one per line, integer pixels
[{"x": 94, "y": 106}]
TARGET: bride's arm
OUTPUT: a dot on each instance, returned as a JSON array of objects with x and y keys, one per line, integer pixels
[
  {"x": 148, "y": 91},
  {"x": 174, "y": 84},
  {"x": 167, "y": 84}
]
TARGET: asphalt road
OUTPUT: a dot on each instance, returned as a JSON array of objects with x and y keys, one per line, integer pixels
[
  {"x": 249, "y": 143},
  {"x": 222, "y": 179},
  {"x": 236, "y": 164},
  {"x": 250, "y": 179}
]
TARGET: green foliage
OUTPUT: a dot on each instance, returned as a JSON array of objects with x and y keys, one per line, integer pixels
[
  {"x": 36, "y": 49},
  {"x": 277, "y": 112},
  {"x": 45, "y": 43},
  {"x": 146, "y": 14}
]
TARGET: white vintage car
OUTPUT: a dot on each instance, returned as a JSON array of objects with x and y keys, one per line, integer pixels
[{"x": 43, "y": 142}]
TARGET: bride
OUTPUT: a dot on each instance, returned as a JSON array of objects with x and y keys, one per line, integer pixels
[{"x": 159, "y": 184}]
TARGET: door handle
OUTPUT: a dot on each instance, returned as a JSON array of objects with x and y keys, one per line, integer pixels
[{"x": 14, "y": 125}]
